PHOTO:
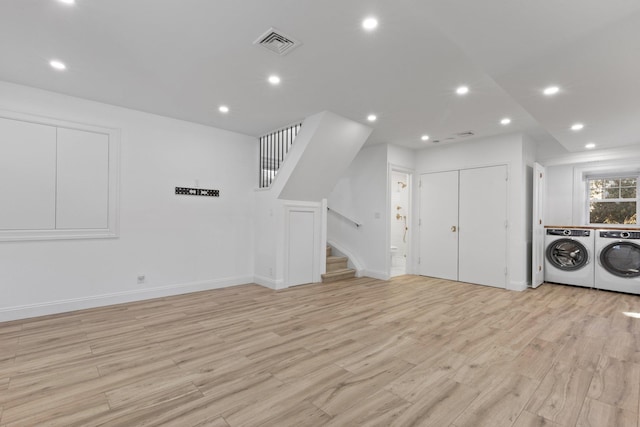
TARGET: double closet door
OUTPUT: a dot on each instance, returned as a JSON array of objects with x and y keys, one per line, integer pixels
[{"x": 463, "y": 225}]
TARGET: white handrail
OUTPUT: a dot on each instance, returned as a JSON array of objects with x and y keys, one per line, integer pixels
[{"x": 356, "y": 223}]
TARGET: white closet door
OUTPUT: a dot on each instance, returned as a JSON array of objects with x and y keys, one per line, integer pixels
[
  {"x": 537, "y": 250},
  {"x": 82, "y": 180},
  {"x": 483, "y": 226},
  {"x": 439, "y": 225},
  {"x": 301, "y": 247},
  {"x": 27, "y": 175}
]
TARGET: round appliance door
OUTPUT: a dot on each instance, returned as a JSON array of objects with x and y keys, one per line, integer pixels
[
  {"x": 567, "y": 254},
  {"x": 621, "y": 259}
]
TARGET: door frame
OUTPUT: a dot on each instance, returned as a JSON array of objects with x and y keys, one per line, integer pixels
[
  {"x": 318, "y": 239},
  {"x": 508, "y": 201},
  {"x": 391, "y": 167}
]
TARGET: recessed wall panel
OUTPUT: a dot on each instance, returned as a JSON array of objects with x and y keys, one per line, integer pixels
[
  {"x": 27, "y": 175},
  {"x": 82, "y": 180}
]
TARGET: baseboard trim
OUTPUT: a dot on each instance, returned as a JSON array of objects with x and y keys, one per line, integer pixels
[
  {"x": 64, "y": 306},
  {"x": 380, "y": 275},
  {"x": 518, "y": 286},
  {"x": 268, "y": 282}
]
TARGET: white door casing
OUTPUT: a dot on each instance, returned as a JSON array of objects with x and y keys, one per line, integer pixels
[
  {"x": 464, "y": 225},
  {"x": 537, "y": 238}
]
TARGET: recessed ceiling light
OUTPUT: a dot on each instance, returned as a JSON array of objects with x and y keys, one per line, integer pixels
[
  {"x": 372, "y": 117},
  {"x": 58, "y": 65},
  {"x": 462, "y": 90},
  {"x": 577, "y": 127},
  {"x": 590, "y": 146},
  {"x": 67, "y": 1},
  {"x": 551, "y": 90},
  {"x": 223, "y": 109},
  {"x": 424, "y": 137},
  {"x": 274, "y": 80},
  {"x": 505, "y": 121},
  {"x": 370, "y": 24}
]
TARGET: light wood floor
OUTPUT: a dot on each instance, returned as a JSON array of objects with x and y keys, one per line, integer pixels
[{"x": 411, "y": 351}]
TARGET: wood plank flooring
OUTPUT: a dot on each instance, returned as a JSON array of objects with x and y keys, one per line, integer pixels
[{"x": 412, "y": 351}]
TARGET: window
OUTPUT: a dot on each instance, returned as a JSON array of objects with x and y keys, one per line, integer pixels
[{"x": 613, "y": 200}]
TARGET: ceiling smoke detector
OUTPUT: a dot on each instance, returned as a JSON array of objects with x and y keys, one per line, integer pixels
[{"x": 277, "y": 42}]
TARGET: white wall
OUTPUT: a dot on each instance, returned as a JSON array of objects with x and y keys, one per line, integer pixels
[
  {"x": 180, "y": 243},
  {"x": 323, "y": 149},
  {"x": 361, "y": 195},
  {"x": 505, "y": 149},
  {"x": 566, "y": 188},
  {"x": 559, "y": 198}
]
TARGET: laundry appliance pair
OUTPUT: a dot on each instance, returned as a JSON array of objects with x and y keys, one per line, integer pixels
[{"x": 601, "y": 258}]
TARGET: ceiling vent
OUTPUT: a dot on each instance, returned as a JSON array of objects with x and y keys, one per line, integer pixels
[
  {"x": 465, "y": 134},
  {"x": 277, "y": 42}
]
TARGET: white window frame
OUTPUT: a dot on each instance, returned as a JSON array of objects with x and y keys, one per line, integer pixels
[
  {"x": 582, "y": 174},
  {"x": 618, "y": 200}
]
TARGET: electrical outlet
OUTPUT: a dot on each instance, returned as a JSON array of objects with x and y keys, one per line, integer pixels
[{"x": 141, "y": 278}]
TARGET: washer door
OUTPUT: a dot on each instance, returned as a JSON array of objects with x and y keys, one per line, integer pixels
[
  {"x": 567, "y": 254},
  {"x": 621, "y": 259}
]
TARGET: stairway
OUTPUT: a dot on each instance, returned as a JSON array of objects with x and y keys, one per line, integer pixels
[{"x": 337, "y": 268}]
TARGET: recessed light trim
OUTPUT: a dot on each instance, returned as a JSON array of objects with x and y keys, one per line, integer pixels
[
  {"x": 505, "y": 121},
  {"x": 462, "y": 90},
  {"x": 370, "y": 23},
  {"x": 577, "y": 126},
  {"x": 424, "y": 137},
  {"x": 372, "y": 117},
  {"x": 274, "y": 80},
  {"x": 67, "y": 1},
  {"x": 551, "y": 90},
  {"x": 590, "y": 146},
  {"x": 58, "y": 65},
  {"x": 223, "y": 109}
]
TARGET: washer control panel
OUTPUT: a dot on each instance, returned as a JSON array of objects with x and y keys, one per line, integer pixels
[{"x": 568, "y": 232}]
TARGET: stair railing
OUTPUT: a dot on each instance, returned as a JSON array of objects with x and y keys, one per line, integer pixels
[
  {"x": 353, "y": 221},
  {"x": 273, "y": 148}
]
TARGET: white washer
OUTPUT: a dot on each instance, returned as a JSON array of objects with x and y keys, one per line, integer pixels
[
  {"x": 618, "y": 268},
  {"x": 569, "y": 256}
]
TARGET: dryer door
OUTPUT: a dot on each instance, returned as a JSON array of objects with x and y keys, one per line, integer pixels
[
  {"x": 621, "y": 259},
  {"x": 567, "y": 254}
]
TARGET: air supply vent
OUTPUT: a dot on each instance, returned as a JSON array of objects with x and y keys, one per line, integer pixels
[
  {"x": 277, "y": 42},
  {"x": 465, "y": 134}
]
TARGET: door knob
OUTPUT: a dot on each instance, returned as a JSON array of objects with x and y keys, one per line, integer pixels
[{"x": 453, "y": 228}]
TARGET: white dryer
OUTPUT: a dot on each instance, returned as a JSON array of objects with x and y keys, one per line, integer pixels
[
  {"x": 569, "y": 256},
  {"x": 618, "y": 268}
]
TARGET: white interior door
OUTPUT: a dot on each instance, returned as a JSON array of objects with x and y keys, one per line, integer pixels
[
  {"x": 439, "y": 225},
  {"x": 537, "y": 239},
  {"x": 301, "y": 245},
  {"x": 482, "y": 255}
]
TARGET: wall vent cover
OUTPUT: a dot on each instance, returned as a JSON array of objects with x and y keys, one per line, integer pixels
[{"x": 277, "y": 42}]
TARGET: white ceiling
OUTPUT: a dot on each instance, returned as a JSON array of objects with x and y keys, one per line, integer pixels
[{"x": 185, "y": 58}]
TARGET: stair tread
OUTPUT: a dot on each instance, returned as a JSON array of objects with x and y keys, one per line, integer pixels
[
  {"x": 337, "y": 258},
  {"x": 338, "y": 272}
]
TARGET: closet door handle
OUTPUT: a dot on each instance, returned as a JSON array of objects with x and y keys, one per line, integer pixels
[{"x": 453, "y": 228}]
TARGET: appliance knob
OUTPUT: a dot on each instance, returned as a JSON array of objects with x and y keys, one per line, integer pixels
[
  {"x": 566, "y": 232},
  {"x": 625, "y": 234}
]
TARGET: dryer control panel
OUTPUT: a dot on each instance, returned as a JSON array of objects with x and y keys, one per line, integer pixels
[{"x": 619, "y": 234}]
